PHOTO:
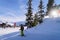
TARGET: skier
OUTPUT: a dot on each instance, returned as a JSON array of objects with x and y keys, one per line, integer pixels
[{"x": 22, "y": 29}]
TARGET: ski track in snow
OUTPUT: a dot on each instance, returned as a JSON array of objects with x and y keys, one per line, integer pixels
[{"x": 9, "y": 37}]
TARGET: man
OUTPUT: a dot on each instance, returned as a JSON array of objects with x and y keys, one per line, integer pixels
[{"x": 22, "y": 29}]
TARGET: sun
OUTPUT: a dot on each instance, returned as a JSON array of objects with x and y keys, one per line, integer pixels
[{"x": 54, "y": 13}]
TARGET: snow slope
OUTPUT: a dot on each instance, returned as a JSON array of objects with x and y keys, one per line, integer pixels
[{"x": 48, "y": 30}]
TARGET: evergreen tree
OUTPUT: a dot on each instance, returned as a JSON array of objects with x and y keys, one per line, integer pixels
[
  {"x": 35, "y": 20},
  {"x": 29, "y": 18},
  {"x": 40, "y": 17},
  {"x": 49, "y": 5}
]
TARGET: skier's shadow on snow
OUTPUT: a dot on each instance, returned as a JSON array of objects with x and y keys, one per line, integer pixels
[{"x": 22, "y": 36}]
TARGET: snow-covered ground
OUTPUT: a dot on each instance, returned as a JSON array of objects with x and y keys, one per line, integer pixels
[
  {"x": 5, "y": 31},
  {"x": 48, "y": 30},
  {"x": 8, "y": 30}
]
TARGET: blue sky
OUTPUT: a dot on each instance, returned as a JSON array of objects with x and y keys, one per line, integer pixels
[{"x": 15, "y": 10}]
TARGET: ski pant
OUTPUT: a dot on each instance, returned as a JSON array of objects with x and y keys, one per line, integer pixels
[{"x": 22, "y": 33}]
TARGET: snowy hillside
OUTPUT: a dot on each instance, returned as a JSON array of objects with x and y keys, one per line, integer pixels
[
  {"x": 48, "y": 30},
  {"x": 49, "y": 26}
]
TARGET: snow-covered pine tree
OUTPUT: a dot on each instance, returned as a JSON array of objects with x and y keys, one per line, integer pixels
[
  {"x": 29, "y": 18},
  {"x": 40, "y": 17},
  {"x": 49, "y": 5}
]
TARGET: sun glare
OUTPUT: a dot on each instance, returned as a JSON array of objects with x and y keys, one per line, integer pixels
[{"x": 54, "y": 13}]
